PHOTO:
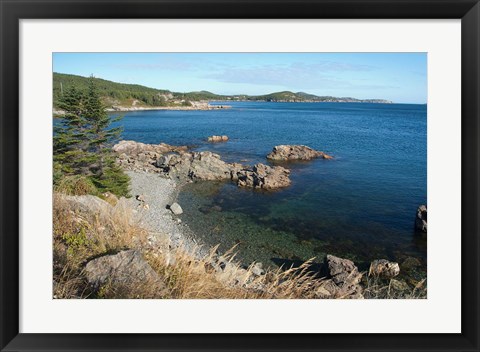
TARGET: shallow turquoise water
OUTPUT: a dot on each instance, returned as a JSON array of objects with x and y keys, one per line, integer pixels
[{"x": 360, "y": 205}]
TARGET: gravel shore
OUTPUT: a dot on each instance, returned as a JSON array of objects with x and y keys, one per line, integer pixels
[{"x": 157, "y": 193}]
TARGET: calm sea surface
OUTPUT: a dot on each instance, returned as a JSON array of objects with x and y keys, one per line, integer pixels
[{"x": 361, "y": 205}]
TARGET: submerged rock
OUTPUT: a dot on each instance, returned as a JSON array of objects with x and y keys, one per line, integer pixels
[
  {"x": 295, "y": 152},
  {"x": 421, "y": 219},
  {"x": 384, "y": 268}
]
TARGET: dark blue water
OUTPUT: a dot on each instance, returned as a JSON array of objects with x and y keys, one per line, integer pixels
[{"x": 360, "y": 205}]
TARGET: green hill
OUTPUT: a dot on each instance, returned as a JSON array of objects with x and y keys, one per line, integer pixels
[
  {"x": 128, "y": 95},
  {"x": 111, "y": 92}
]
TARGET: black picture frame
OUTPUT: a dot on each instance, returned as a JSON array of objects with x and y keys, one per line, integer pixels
[{"x": 12, "y": 11}]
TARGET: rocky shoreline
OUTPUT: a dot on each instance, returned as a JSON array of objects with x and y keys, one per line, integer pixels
[
  {"x": 196, "y": 106},
  {"x": 193, "y": 107},
  {"x": 178, "y": 163},
  {"x": 153, "y": 194},
  {"x": 158, "y": 173}
]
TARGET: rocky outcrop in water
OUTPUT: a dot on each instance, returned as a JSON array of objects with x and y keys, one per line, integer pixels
[
  {"x": 196, "y": 166},
  {"x": 384, "y": 268},
  {"x": 209, "y": 166},
  {"x": 265, "y": 177},
  {"x": 177, "y": 162},
  {"x": 295, "y": 152},
  {"x": 218, "y": 138},
  {"x": 421, "y": 219}
]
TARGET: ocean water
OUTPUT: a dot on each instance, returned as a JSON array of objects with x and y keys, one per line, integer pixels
[{"x": 360, "y": 205}]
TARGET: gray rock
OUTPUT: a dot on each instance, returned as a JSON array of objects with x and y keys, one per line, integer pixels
[
  {"x": 264, "y": 177},
  {"x": 135, "y": 156},
  {"x": 384, "y": 268},
  {"x": 124, "y": 269},
  {"x": 86, "y": 203},
  {"x": 343, "y": 271},
  {"x": 421, "y": 219},
  {"x": 345, "y": 278},
  {"x": 167, "y": 161},
  {"x": 295, "y": 152},
  {"x": 176, "y": 209},
  {"x": 208, "y": 166},
  {"x": 177, "y": 163}
]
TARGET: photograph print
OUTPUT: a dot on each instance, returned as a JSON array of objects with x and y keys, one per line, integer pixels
[{"x": 239, "y": 176}]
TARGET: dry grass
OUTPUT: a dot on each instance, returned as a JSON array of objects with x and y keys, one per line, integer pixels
[
  {"x": 81, "y": 234},
  {"x": 376, "y": 288},
  {"x": 222, "y": 277},
  {"x": 75, "y": 185}
]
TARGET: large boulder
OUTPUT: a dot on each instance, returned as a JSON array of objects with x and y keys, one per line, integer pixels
[
  {"x": 345, "y": 278},
  {"x": 384, "y": 268},
  {"x": 196, "y": 165},
  {"x": 263, "y": 177},
  {"x": 295, "y": 152},
  {"x": 124, "y": 270},
  {"x": 209, "y": 166},
  {"x": 421, "y": 219},
  {"x": 86, "y": 204}
]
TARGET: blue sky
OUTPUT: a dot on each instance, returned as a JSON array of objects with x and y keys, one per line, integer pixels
[{"x": 401, "y": 77}]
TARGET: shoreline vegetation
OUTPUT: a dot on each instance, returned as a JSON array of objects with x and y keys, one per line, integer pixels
[
  {"x": 132, "y": 97},
  {"x": 118, "y": 229}
]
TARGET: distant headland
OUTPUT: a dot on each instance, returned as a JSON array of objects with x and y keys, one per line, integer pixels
[{"x": 132, "y": 97}]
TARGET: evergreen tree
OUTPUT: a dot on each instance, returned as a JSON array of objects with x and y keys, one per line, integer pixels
[
  {"x": 70, "y": 146},
  {"x": 83, "y": 141}
]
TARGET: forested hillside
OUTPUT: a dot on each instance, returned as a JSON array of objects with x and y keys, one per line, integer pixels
[{"x": 128, "y": 95}]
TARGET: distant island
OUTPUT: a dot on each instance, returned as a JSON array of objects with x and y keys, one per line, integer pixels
[{"x": 126, "y": 97}]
